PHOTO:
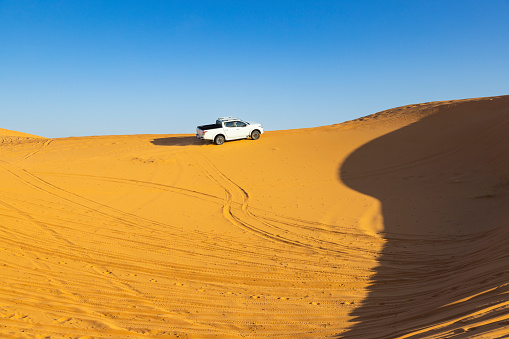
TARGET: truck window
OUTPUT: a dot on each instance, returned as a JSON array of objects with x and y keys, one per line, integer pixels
[
  {"x": 229, "y": 124},
  {"x": 240, "y": 124}
]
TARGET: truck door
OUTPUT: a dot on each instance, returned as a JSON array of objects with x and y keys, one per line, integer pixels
[
  {"x": 236, "y": 130},
  {"x": 230, "y": 130},
  {"x": 242, "y": 129}
]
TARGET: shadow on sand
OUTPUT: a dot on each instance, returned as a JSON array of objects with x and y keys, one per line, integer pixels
[
  {"x": 179, "y": 141},
  {"x": 443, "y": 271}
]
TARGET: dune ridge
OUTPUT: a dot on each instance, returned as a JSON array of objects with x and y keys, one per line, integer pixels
[
  {"x": 5, "y": 133},
  {"x": 394, "y": 225}
]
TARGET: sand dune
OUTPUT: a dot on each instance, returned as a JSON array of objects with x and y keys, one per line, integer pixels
[
  {"x": 395, "y": 225},
  {"x": 8, "y": 136}
]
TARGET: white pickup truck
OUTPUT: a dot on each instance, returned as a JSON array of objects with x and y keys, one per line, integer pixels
[{"x": 229, "y": 128}]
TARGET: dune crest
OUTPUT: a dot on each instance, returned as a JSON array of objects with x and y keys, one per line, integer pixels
[
  {"x": 393, "y": 225},
  {"x": 8, "y": 136},
  {"x": 9, "y": 133}
]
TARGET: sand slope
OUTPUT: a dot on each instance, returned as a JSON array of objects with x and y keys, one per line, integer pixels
[
  {"x": 6, "y": 132},
  {"x": 394, "y": 225},
  {"x": 8, "y": 136}
]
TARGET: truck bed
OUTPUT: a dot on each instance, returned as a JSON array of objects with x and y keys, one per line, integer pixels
[{"x": 207, "y": 127}]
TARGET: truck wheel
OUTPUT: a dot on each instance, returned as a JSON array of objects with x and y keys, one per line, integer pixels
[
  {"x": 219, "y": 140},
  {"x": 255, "y": 135}
]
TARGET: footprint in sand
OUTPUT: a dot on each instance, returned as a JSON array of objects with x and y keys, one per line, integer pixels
[
  {"x": 62, "y": 320},
  {"x": 15, "y": 315}
]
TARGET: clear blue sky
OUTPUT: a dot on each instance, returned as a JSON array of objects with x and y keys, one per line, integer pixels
[{"x": 92, "y": 67}]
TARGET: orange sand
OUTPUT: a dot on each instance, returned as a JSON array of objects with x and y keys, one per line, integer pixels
[{"x": 394, "y": 225}]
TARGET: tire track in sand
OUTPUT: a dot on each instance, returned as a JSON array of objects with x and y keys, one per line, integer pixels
[
  {"x": 291, "y": 230},
  {"x": 44, "y": 145}
]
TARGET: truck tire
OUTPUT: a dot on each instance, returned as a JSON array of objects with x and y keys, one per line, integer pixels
[
  {"x": 255, "y": 135},
  {"x": 219, "y": 139}
]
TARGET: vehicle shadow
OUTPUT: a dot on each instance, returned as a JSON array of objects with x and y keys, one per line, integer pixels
[
  {"x": 179, "y": 141},
  {"x": 440, "y": 181}
]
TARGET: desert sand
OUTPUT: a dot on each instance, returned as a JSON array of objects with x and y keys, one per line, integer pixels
[{"x": 395, "y": 225}]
